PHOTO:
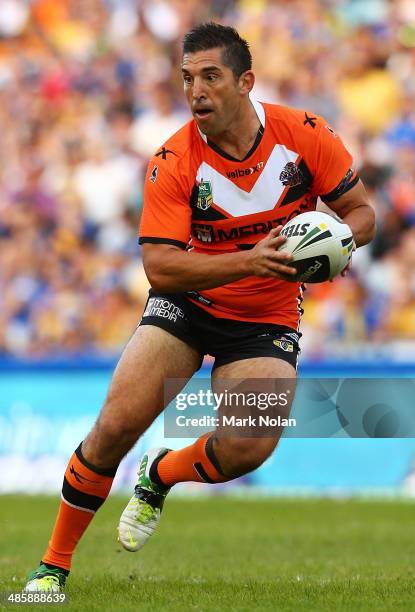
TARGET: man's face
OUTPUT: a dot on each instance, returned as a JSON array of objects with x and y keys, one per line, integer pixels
[{"x": 211, "y": 90}]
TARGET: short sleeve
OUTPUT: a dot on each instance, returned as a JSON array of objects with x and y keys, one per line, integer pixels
[
  {"x": 166, "y": 213},
  {"x": 329, "y": 159}
]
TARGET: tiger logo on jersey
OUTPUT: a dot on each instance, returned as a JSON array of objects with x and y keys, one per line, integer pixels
[
  {"x": 291, "y": 175},
  {"x": 204, "y": 198}
]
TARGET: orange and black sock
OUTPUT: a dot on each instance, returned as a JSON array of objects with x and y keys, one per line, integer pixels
[
  {"x": 197, "y": 463},
  {"x": 85, "y": 488}
]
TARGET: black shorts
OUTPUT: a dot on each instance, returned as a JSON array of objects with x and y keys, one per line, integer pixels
[{"x": 226, "y": 340}]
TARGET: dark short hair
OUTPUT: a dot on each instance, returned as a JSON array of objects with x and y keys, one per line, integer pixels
[{"x": 236, "y": 54}]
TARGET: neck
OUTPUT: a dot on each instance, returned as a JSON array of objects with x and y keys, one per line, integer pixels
[{"x": 240, "y": 135}]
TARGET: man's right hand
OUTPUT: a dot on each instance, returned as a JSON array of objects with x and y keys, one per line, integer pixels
[{"x": 266, "y": 260}]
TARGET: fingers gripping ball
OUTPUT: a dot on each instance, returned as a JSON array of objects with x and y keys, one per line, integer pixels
[{"x": 321, "y": 246}]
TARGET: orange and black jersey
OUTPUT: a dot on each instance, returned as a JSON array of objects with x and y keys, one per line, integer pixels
[{"x": 196, "y": 196}]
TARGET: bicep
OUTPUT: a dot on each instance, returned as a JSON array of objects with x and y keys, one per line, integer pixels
[
  {"x": 330, "y": 163},
  {"x": 166, "y": 214}
]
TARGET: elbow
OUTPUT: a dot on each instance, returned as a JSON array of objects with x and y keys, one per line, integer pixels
[
  {"x": 371, "y": 233},
  {"x": 367, "y": 237},
  {"x": 160, "y": 286},
  {"x": 158, "y": 281},
  {"x": 161, "y": 268}
]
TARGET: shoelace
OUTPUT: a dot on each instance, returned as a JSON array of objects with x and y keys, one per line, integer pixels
[
  {"x": 146, "y": 512},
  {"x": 54, "y": 579},
  {"x": 156, "y": 500},
  {"x": 49, "y": 579}
]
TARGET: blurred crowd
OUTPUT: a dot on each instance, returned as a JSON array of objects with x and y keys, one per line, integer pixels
[{"x": 88, "y": 91}]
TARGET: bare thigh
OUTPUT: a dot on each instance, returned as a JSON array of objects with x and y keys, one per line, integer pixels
[
  {"x": 136, "y": 393},
  {"x": 240, "y": 454}
]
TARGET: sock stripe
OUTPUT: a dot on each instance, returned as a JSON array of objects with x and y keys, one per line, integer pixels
[
  {"x": 203, "y": 475},
  {"x": 191, "y": 464},
  {"x": 65, "y": 501},
  {"x": 83, "y": 501},
  {"x": 101, "y": 471},
  {"x": 210, "y": 453}
]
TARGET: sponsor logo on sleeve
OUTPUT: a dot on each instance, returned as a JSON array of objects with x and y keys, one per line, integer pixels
[
  {"x": 153, "y": 175},
  {"x": 330, "y": 129}
]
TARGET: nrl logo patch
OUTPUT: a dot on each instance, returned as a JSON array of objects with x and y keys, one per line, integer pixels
[
  {"x": 291, "y": 175},
  {"x": 204, "y": 198}
]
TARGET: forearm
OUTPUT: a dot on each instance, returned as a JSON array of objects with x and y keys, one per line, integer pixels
[
  {"x": 171, "y": 270},
  {"x": 188, "y": 271},
  {"x": 362, "y": 223}
]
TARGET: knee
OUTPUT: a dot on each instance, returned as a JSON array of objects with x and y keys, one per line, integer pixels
[
  {"x": 238, "y": 456},
  {"x": 115, "y": 430}
]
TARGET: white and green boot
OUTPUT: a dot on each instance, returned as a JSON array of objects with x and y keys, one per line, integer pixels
[
  {"x": 142, "y": 515},
  {"x": 45, "y": 580}
]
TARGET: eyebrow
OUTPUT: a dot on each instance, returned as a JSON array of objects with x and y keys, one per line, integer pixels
[{"x": 206, "y": 69}]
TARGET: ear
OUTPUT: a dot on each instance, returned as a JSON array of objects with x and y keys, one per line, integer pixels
[{"x": 246, "y": 82}]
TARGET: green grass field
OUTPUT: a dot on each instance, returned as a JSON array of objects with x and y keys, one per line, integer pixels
[{"x": 228, "y": 554}]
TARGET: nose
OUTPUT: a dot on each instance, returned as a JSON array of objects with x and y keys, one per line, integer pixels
[{"x": 198, "y": 89}]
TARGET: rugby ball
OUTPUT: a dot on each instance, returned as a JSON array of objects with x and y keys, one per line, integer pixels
[{"x": 321, "y": 246}]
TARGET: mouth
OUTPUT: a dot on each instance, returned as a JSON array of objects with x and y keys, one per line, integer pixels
[{"x": 202, "y": 113}]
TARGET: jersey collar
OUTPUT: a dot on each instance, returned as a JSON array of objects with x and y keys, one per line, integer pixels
[{"x": 259, "y": 109}]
